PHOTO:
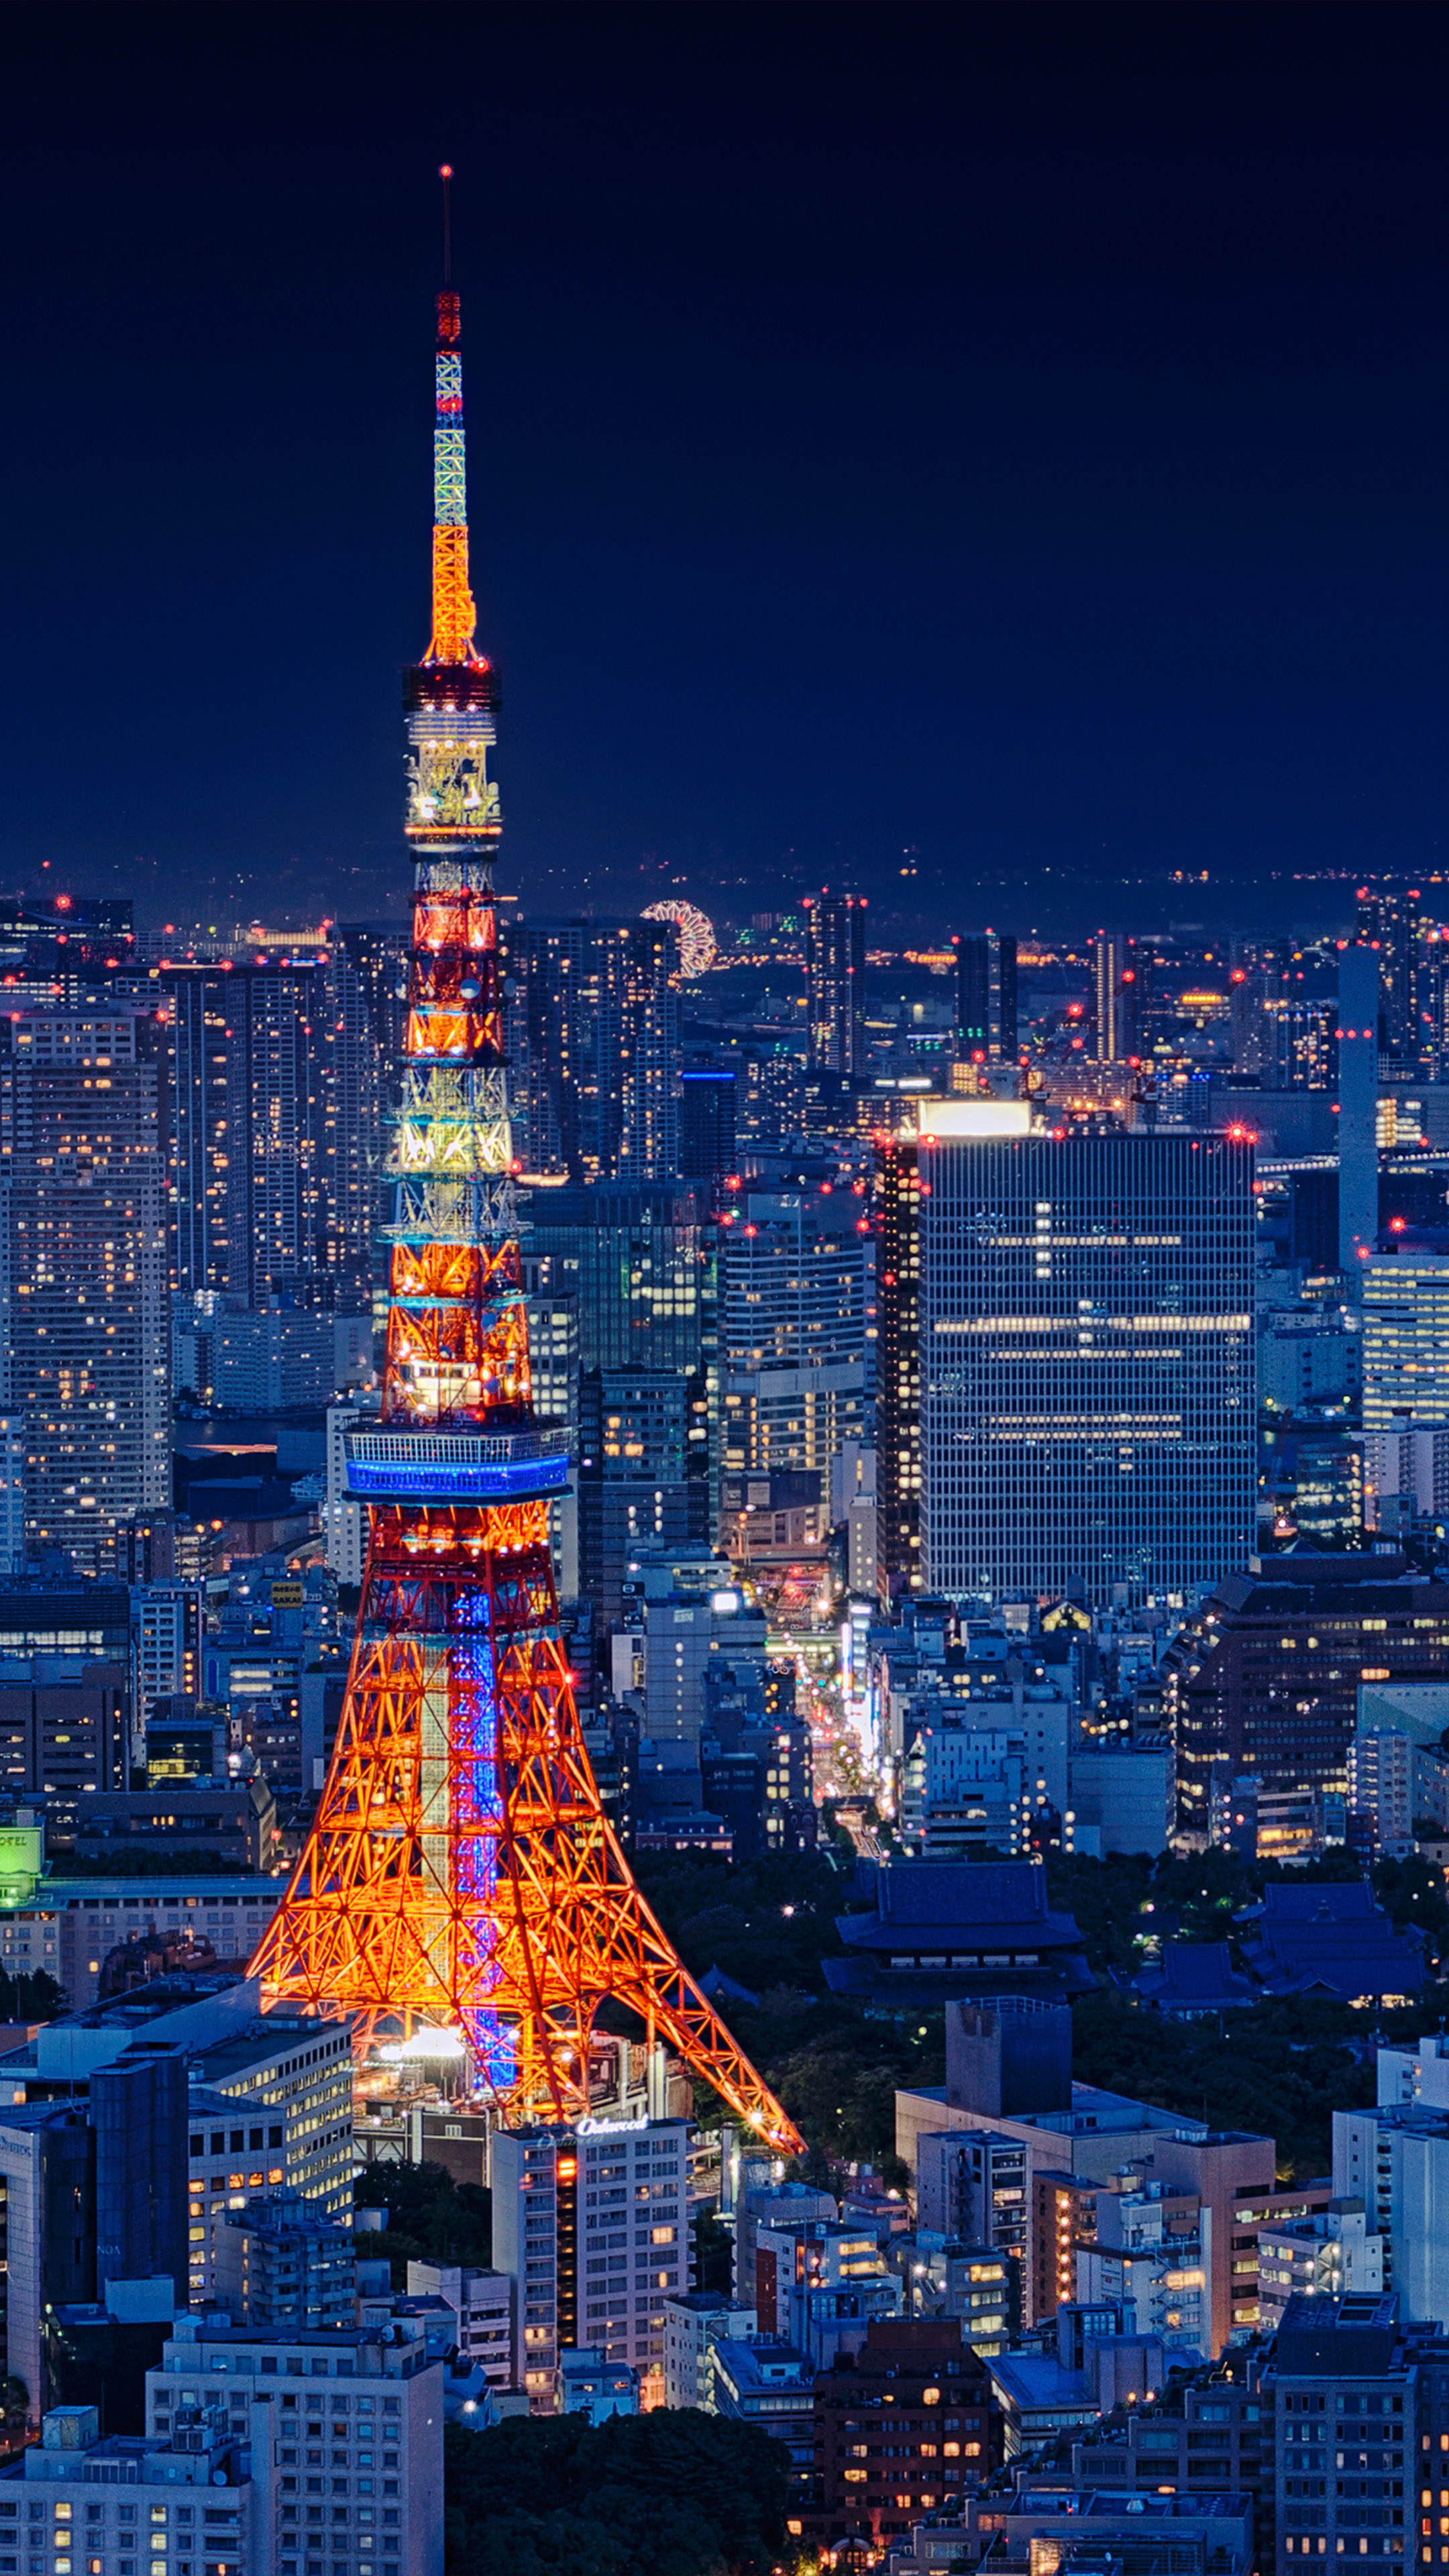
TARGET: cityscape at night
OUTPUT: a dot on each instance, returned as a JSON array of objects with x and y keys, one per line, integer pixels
[{"x": 724, "y": 1232}]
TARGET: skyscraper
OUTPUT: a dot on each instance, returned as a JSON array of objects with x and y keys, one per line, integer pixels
[
  {"x": 986, "y": 998},
  {"x": 898, "y": 1364},
  {"x": 1086, "y": 1358},
  {"x": 594, "y": 1037},
  {"x": 1120, "y": 979},
  {"x": 88, "y": 1328},
  {"x": 794, "y": 1270},
  {"x": 460, "y": 1871},
  {"x": 634, "y": 1259},
  {"x": 707, "y": 1122},
  {"x": 835, "y": 978},
  {"x": 1357, "y": 1034},
  {"x": 1392, "y": 922},
  {"x": 272, "y": 1107}
]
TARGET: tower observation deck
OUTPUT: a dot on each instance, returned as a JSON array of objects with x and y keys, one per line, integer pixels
[{"x": 461, "y": 1872}]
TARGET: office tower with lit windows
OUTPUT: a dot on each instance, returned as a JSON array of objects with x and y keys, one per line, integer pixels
[
  {"x": 986, "y": 999},
  {"x": 594, "y": 1044},
  {"x": 897, "y": 1213},
  {"x": 1119, "y": 970},
  {"x": 835, "y": 981},
  {"x": 1087, "y": 1411},
  {"x": 274, "y": 1109},
  {"x": 795, "y": 1274},
  {"x": 1393, "y": 921},
  {"x": 634, "y": 1266},
  {"x": 707, "y": 1123},
  {"x": 644, "y": 1475},
  {"x": 635, "y": 1260},
  {"x": 88, "y": 1326},
  {"x": 1405, "y": 1291}
]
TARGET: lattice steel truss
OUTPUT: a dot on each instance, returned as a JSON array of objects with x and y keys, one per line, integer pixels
[{"x": 461, "y": 1870}]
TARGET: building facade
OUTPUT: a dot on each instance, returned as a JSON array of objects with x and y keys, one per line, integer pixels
[
  {"x": 897, "y": 1212},
  {"x": 83, "y": 1284},
  {"x": 835, "y": 981},
  {"x": 986, "y": 999},
  {"x": 592, "y": 2223},
  {"x": 1086, "y": 1360},
  {"x": 595, "y": 1045}
]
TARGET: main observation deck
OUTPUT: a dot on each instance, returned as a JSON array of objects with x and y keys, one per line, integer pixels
[{"x": 436, "y": 1466}]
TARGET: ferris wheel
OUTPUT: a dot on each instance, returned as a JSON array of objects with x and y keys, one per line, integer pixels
[{"x": 697, "y": 942}]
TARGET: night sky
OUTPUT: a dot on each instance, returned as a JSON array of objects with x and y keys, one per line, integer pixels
[{"x": 1014, "y": 435}]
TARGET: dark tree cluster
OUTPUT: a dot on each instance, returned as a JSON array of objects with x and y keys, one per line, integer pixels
[
  {"x": 667, "y": 2494},
  {"x": 430, "y": 2218}
]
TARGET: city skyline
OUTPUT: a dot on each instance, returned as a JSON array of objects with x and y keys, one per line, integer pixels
[{"x": 1078, "y": 373}]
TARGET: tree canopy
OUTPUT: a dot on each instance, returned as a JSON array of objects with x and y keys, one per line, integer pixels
[{"x": 668, "y": 2494}]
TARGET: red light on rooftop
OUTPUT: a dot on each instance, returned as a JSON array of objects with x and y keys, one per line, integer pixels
[
  {"x": 62, "y": 903},
  {"x": 1397, "y": 1224}
]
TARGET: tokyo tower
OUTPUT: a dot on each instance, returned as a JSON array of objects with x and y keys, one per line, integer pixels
[{"x": 461, "y": 1871}]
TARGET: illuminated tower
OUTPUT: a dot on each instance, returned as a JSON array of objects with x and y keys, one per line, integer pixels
[{"x": 460, "y": 1871}]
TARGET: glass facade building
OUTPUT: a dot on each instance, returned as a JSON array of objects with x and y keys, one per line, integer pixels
[{"x": 1086, "y": 1363}]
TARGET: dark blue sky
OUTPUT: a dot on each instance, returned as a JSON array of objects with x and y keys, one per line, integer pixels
[{"x": 1013, "y": 433}]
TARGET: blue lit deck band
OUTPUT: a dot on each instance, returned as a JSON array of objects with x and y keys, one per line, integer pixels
[{"x": 457, "y": 1466}]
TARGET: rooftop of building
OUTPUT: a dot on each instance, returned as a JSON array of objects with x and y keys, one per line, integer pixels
[
  {"x": 217, "y": 2334},
  {"x": 1194, "y": 1976},
  {"x": 763, "y": 2361},
  {"x": 1354, "y": 2331},
  {"x": 708, "y": 2303},
  {"x": 54, "y": 1894},
  {"x": 1084, "y": 2503},
  {"x": 927, "y": 1898},
  {"x": 269, "y": 2035}
]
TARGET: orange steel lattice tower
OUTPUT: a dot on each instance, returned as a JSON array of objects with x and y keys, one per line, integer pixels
[{"x": 461, "y": 1871}]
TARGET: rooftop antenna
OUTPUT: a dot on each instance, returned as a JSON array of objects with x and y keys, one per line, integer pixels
[{"x": 446, "y": 175}]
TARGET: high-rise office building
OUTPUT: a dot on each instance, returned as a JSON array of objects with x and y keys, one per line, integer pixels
[
  {"x": 1265, "y": 1681},
  {"x": 707, "y": 1122},
  {"x": 795, "y": 1269},
  {"x": 835, "y": 977},
  {"x": 1120, "y": 980},
  {"x": 634, "y": 1260},
  {"x": 644, "y": 1471},
  {"x": 1392, "y": 921},
  {"x": 986, "y": 998},
  {"x": 594, "y": 1043},
  {"x": 898, "y": 1364},
  {"x": 87, "y": 1322},
  {"x": 1087, "y": 1358},
  {"x": 1405, "y": 1290}
]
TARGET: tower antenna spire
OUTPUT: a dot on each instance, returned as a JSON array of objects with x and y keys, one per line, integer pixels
[{"x": 454, "y": 615}]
